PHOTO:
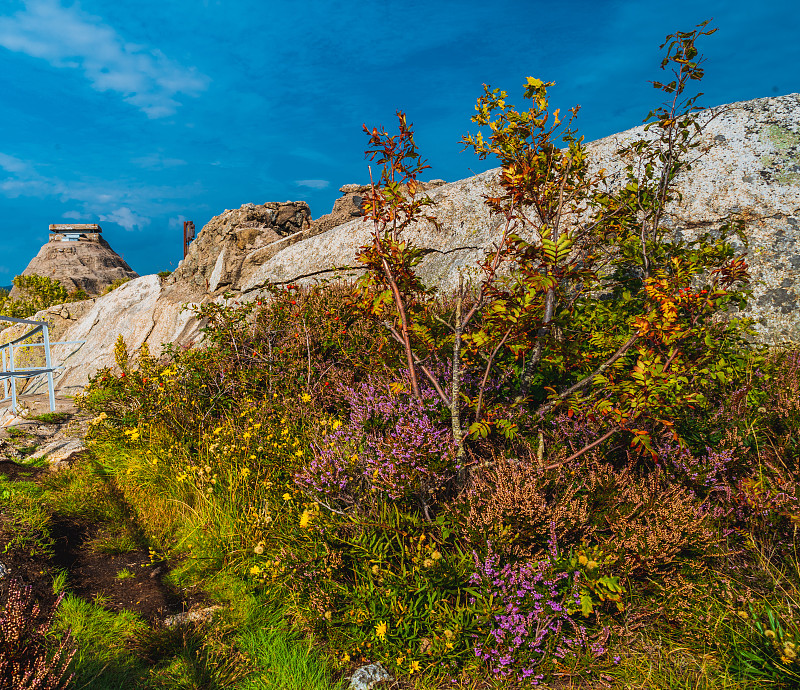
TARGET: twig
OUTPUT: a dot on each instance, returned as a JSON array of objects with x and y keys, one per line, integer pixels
[
  {"x": 583, "y": 450},
  {"x": 544, "y": 409}
]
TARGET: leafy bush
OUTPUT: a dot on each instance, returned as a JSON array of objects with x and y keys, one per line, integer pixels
[
  {"x": 647, "y": 523},
  {"x": 37, "y": 293}
]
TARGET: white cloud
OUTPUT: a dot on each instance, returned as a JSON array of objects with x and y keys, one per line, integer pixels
[
  {"x": 13, "y": 165},
  {"x": 156, "y": 161},
  {"x": 108, "y": 200},
  {"x": 126, "y": 218},
  {"x": 68, "y": 38},
  {"x": 313, "y": 184},
  {"x": 178, "y": 222},
  {"x": 76, "y": 215}
]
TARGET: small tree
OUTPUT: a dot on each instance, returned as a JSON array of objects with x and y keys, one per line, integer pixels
[{"x": 585, "y": 299}]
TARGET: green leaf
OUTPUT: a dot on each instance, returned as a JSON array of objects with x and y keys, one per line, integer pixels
[
  {"x": 586, "y": 604},
  {"x": 481, "y": 429}
]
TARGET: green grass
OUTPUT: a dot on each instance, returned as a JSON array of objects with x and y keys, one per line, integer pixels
[
  {"x": 52, "y": 417},
  {"x": 103, "y": 660},
  {"x": 25, "y": 517},
  {"x": 121, "y": 651},
  {"x": 16, "y": 433},
  {"x": 661, "y": 665},
  {"x": 115, "y": 542},
  {"x": 281, "y": 659},
  {"x": 79, "y": 492},
  {"x": 247, "y": 649}
]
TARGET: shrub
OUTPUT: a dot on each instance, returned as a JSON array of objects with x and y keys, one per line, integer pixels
[
  {"x": 527, "y": 616},
  {"x": 391, "y": 446},
  {"x": 37, "y": 293},
  {"x": 648, "y": 522},
  {"x": 29, "y": 659}
]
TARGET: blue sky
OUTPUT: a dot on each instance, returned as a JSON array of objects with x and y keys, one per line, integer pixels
[{"x": 141, "y": 114}]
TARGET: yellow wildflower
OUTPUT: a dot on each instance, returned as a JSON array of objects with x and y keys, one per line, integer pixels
[
  {"x": 287, "y": 497},
  {"x": 414, "y": 666},
  {"x": 305, "y": 397},
  {"x": 255, "y": 570},
  {"x": 380, "y": 631},
  {"x": 305, "y": 519}
]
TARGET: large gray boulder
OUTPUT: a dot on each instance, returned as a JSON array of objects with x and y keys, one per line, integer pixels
[{"x": 751, "y": 167}]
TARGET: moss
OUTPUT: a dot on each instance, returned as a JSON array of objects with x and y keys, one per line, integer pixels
[
  {"x": 785, "y": 143},
  {"x": 781, "y": 138}
]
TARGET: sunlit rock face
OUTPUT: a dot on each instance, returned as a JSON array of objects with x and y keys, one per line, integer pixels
[
  {"x": 750, "y": 167},
  {"x": 232, "y": 243}
]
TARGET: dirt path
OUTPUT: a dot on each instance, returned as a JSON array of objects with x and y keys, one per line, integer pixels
[{"x": 103, "y": 558}]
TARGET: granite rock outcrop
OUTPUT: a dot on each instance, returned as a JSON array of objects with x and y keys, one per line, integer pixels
[
  {"x": 751, "y": 168},
  {"x": 231, "y": 243}
]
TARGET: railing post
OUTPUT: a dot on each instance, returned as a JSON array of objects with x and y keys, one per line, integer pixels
[
  {"x": 13, "y": 380},
  {"x": 10, "y": 373},
  {"x": 50, "y": 388},
  {"x": 5, "y": 380}
]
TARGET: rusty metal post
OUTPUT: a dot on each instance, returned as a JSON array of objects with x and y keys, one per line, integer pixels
[{"x": 188, "y": 235}]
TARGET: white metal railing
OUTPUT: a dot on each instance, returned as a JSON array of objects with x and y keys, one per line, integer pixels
[{"x": 10, "y": 372}]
